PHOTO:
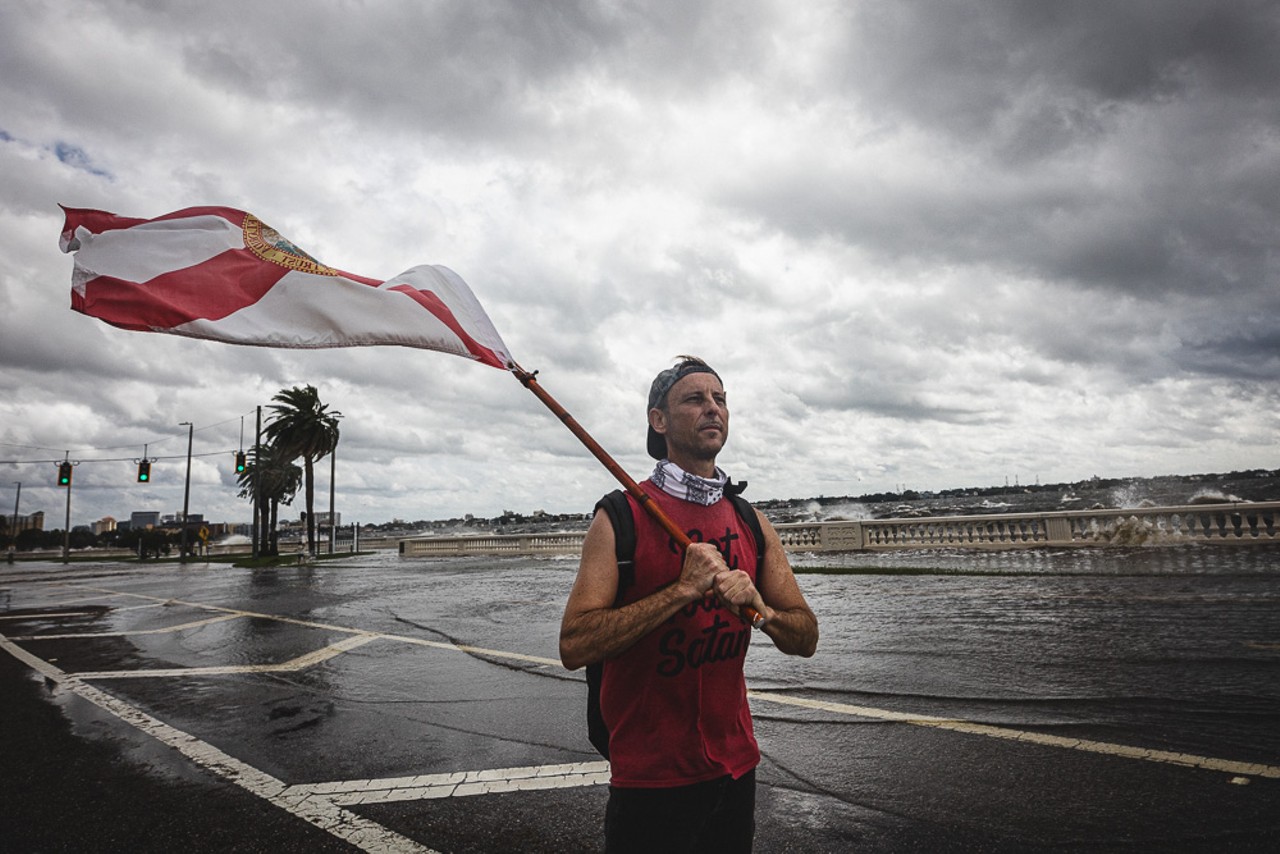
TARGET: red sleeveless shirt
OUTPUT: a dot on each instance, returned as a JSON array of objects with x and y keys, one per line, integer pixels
[{"x": 676, "y": 702}]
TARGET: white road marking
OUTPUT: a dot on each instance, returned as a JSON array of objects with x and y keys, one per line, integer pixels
[
  {"x": 291, "y": 666},
  {"x": 323, "y": 813},
  {"x": 167, "y": 630},
  {"x": 456, "y": 784},
  {"x": 471, "y": 650},
  {"x": 1121, "y": 750}
]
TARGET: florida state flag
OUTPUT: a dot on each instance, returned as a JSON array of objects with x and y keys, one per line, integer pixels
[{"x": 223, "y": 274}]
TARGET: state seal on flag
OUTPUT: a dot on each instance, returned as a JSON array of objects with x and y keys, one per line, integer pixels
[{"x": 269, "y": 245}]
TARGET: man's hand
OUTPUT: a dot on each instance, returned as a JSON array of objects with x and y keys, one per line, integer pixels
[
  {"x": 702, "y": 564},
  {"x": 735, "y": 590}
]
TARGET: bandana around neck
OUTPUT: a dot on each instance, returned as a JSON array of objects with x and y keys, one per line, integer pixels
[{"x": 678, "y": 483}]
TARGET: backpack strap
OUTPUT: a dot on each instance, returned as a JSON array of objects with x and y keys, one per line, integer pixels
[
  {"x": 748, "y": 515},
  {"x": 618, "y": 509}
]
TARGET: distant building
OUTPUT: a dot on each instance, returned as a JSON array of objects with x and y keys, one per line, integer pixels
[
  {"x": 300, "y": 524},
  {"x": 30, "y": 522},
  {"x": 224, "y": 529},
  {"x": 103, "y": 525},
  {"x": 140, "y": 520}
]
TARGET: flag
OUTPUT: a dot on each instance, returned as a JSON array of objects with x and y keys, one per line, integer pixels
[{"x": 223, "y": 274}]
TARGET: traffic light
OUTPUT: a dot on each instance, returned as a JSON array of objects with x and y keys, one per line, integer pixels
[
  {"x": 239, "y": 461},
  {"x": 64, "y": 474},
  {"x": 144, "y": 471}
]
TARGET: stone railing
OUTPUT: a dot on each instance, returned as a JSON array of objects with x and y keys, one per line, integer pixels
[
  {"x": 1223, "y": 524},
  {"x": 1243, "y": 523},
  {"x": 494, "y": 544}
]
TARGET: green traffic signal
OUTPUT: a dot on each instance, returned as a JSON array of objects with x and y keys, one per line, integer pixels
[
  {"x": 64, "y": 474},
  {"x": 240, "y": 461},
  {"x": 144, "y": 471}
]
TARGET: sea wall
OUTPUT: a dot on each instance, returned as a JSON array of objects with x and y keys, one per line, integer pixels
[{"x": 1237, "y": 523}]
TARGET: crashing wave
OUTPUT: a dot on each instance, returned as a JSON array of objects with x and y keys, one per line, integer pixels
[
  {"x": 1134, "y": 531},
  {"x": 1213, "y": 496}
]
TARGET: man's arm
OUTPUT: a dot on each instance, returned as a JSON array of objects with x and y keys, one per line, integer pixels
[
  {"x": 789, "y": 621},
  {"x": 592, "y": 629}
]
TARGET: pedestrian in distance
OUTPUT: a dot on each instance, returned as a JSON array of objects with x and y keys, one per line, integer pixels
[{"x": 669, "y": 631}]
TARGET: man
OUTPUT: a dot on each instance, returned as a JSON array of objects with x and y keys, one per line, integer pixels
[{"x": 673, "y": 642}]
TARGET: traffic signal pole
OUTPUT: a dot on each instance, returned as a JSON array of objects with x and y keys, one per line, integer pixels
[
  {"x": 66, "y": 527},
  {"x": 257, "y": 468}
]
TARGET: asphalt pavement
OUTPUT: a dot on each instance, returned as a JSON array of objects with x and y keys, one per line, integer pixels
[{"x": 382, "y": 705}]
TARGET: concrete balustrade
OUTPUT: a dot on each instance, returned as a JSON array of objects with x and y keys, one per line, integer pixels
[
  {"x": 1241, "y": 523},
  {"x": 1223, "y": 524},
  {"x": 494, "y": 544}
]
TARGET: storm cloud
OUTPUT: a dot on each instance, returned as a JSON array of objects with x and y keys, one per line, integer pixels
[{"x": 925, "y": 244}]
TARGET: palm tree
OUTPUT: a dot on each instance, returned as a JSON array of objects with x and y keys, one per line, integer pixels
[
  {"x": 278, "y": 480},
  {"x": 303, "y": 427}
]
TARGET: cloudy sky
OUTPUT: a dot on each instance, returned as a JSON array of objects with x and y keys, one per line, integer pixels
[{"x": 926, "y": 244}]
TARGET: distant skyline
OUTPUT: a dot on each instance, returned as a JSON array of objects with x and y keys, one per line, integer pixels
[
  {"x": 1126, "y": 492},
  {"x": 926, "y": 245}
]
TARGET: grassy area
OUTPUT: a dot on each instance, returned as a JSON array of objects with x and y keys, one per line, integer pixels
[
  {"x": 899, "y": 570},
  {"x": 242, "y": 561},
  {"x": 76, "y": 557},
  {"x": 291, "y": 559}
]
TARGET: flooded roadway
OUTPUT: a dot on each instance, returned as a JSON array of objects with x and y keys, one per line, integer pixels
[{"x": 1123, "y": 702}]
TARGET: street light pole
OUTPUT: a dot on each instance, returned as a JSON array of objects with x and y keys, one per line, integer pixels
[
  {"x": 333, "y": 478},
  {"x": 13, "y": 546},
  {"x": 186, "y": 492}
]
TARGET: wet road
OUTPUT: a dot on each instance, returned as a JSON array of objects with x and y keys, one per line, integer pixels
[{"x": 404, "y": 705}]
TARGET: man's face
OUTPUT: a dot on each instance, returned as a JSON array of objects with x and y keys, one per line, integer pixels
[{"x": 695, "y": 422}]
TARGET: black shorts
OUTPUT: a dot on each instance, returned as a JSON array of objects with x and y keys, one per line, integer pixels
[{"x": 715, "y": 816}]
